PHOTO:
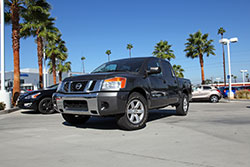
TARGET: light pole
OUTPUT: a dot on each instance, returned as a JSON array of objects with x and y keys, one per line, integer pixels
[
  {"x": 243, "y": 76},
  {"x": 4, "y": 95},
  {"x": 227, "y": 42},
  {"x": 44, "y": 65}
]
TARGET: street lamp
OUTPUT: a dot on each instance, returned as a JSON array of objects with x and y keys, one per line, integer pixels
[
  {"x": 243, "y": 76},
  {"x": 227, "y": 42}
]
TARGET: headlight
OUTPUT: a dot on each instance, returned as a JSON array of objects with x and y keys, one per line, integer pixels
[
  {"x": 33, "y": 96},
  {"x": 114, "y": 83}
]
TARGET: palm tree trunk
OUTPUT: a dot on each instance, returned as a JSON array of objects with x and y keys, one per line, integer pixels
[
  {"x": 202, "y": 69},
  {"x": 16, "y": 47},
  {"x": 108, "y": 58},
  {"x": 224, "y": 66},
  {"x": 40, "y": 59},
  {"x": 54, "y": 69},
  {"x": 60, "y": 76},
  {"x": 129, "y": 53}
]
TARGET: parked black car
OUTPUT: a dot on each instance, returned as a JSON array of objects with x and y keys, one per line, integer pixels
[
  {"x": 125, "y": 88},
  {"x": 39, "y": 100}
]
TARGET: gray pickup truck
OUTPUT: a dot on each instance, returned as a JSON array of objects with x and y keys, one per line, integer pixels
[{"x": 126, "y": 89}]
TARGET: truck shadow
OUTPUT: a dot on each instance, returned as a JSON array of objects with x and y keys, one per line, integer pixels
[{"x": 109, "y": 123}]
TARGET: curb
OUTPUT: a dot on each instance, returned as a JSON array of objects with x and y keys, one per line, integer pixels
[{"x": 9, "y": 110}]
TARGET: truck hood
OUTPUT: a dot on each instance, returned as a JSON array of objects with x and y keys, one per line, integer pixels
[{"x": 100, "y": 76}]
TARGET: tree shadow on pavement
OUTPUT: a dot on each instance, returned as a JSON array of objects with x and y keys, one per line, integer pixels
[{"x": 109, "y": 123}]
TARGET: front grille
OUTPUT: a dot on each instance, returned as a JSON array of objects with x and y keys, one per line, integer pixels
[
  {"x": 81, "y": 86},
  {"x": 78, "y": 86},
  {"x": 75, "y": 105}
]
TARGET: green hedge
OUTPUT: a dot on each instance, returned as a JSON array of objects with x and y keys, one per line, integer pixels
[{"x": 243, "y": 94}]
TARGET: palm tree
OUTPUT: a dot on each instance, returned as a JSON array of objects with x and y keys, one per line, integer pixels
[
  {"x": 108, "y": 52},
  {"x": 221, "y": 31},
  {"x": 178, "y": 71},
  {"x": 37, "y": 23},
  {"x": 247, "y": 77},
  {"x": 83, "y": 69},
  {"x": 63, "y": 67},
  {"x": 162, "y": 50},
  {"x": 235, "y": 77},
  {"x": 198, "y": 45},
  {"x": 129, "y": 47},
  {"x": 56, "y": 50},
  {"x": 14, "y": 10}
]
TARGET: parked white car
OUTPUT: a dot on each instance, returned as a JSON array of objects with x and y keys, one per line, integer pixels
[{"x": 206, "y": 92}]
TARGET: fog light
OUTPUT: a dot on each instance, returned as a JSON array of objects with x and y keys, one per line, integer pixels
[
  {"x": 27, "y": 104},
  {"x": 104, "y": 106}
]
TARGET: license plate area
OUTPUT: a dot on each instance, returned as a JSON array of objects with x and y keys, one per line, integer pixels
[{"x": 79, "y": 105}]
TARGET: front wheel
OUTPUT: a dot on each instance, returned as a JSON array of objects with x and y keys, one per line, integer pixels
[
  {"x": 182, "y": 108},
  {"x": 214, "y": 99},
  {"x": 75, "y": 119},
  {"x": 136, "y": 113},
  {"x": 45, "y": 106}
]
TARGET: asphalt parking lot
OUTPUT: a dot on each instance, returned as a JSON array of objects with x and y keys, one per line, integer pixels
[{"x": 212, "y": 135}]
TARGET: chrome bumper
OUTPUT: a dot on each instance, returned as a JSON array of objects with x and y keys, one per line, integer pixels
[{"x": 91, "y": 99}]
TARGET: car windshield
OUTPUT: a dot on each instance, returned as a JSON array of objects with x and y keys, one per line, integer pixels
[
  {"x": 52, "y": 86},
  {"x": 127, "y": 65}
]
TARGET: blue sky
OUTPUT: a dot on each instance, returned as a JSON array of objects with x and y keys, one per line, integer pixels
[{"x": 91, "y": 27}]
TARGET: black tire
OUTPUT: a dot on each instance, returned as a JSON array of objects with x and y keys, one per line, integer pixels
[
  {"x": 182, "y": 108},
  {"x": 214, "y": 99},
  {"x": 45, "y": 106},
  {"x": 75, "y": 119},
  {"x": 134, "y": 117}
]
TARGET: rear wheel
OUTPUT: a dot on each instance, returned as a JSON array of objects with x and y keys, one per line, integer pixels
[
  {"x": 45, "y": 106},
  {"x": 182, "y": 108},
  {"x": 75, "y": 119},
  {"x": 214, "y": 99},
  {"x": 136, "y": 113}
]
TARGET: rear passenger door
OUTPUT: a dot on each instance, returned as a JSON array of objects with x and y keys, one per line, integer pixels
[
  {"x": 157, "y": 85},
  {"x": 206, "y": 91},
  {"x": 171, "y": 85}
]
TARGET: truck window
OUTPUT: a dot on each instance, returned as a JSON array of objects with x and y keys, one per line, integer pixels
[{"x": 167, "y": 70}]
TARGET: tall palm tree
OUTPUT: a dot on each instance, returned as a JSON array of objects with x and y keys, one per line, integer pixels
[
  {"x": 108, "y": 52},
  {"x": 56, "y": 50},
  {"x": 221, "y": 31},
  {"x": 37, "y": 23},
  {"x": 13, "y": 12},
  {"x": 198, "y": 45},
  {"x": 178, "y": 71},
  {"x": 163, "y": 50},
  {"x": 83, "y": 69},
  {"x": 129, "y": 47}
]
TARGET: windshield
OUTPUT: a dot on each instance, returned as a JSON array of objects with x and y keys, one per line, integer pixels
[
  {"x": 52, "y": 86},
  {"x": 127, "y": 65}
]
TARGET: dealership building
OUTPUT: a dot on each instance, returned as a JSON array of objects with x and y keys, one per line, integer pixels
[{"x": 29, "y": 78}]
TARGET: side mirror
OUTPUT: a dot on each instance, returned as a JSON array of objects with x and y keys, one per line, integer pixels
[{"x": 154, "y": 70}]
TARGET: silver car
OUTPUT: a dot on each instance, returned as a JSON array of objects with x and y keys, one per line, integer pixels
[{"x": 206, "y": 92}]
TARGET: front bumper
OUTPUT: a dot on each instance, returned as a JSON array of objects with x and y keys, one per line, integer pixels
[
  {"x": 95, "y": 104},
  {"x": 27, "y": 104}
]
